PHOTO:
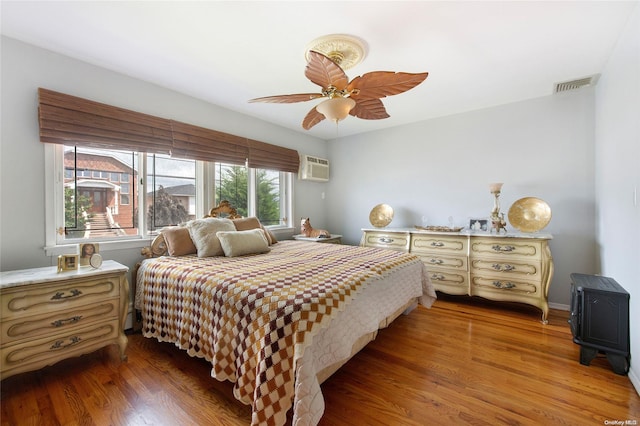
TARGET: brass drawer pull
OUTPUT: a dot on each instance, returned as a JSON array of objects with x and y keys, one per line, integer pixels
[
  {"x": 437, "y": 244},
  {"x": 500, "y": 248},
  {"x": 72, "y": 320},
  {"x": 385, "y": 240},
  {"x": 503, "y": 268},
  {"x": 436, "y": 261},
  {"x": 438, "y": 277},
  {"x": 59, "y": 343},
  {"x": 499, "y": 284},
  {"x": 60, "y": 295}
]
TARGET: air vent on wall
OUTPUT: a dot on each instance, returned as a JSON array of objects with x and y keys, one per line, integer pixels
[
  {"x": 576, "y": 84},
  {"x": 314, "y": 168}
]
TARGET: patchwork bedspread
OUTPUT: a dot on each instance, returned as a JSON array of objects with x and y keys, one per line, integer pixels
[{"x": 252, "y": 317}]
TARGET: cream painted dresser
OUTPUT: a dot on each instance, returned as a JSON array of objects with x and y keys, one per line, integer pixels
[
  {"x": 49, "y": 316},
  {"x": 512, "y": 267}
]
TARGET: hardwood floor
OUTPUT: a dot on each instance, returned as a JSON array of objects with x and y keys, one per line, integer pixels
[{"x": 462, "y": 362}]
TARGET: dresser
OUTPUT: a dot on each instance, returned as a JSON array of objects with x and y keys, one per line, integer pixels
[
  {"x": 48, "y": 316},
  {"x": 513, "y": 267}
]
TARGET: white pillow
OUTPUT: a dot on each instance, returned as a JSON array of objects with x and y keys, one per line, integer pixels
[
  {"x": 239, "y": 243},
  {"x": 203, "y": 234}
]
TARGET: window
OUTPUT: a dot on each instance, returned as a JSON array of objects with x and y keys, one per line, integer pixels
[
  {"x": 253, "y": 192},
  {"x": 113, "y": 195}
]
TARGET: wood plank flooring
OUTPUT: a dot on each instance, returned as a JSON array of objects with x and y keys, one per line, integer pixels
[{"x": 465, "y": 361}]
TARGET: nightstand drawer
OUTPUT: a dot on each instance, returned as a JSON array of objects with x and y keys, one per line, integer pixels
[
  {"x": 37, "y": 353},
  {"x": 32, "y": 327},
  {"x": 48, "y": 298}
]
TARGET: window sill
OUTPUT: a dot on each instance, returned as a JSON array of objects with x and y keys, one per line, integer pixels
[{"x": 104, "y": 246}]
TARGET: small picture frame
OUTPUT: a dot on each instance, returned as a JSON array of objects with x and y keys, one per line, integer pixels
[
  {"x": 86, "y": 251},
  {"x": 479, "y": 225},
  {"x": 67, "y": 262}
]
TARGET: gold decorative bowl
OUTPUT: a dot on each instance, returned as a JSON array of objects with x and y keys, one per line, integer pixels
[
  {"x": 381, "y": 215},
  {"x": 529, "y": 214}
]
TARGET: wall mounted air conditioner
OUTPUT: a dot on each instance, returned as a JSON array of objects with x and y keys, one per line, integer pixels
[{"x": 314, "y": 168}]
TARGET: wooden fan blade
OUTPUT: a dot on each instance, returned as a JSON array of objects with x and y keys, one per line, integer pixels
[
  {"x": 312, "y": 118},
  {"x": 369, "y": 109},
  {"x": 324, "y": 72},
  {"x": 288, "y": 99},
  {"x": 380, "y": 84}
]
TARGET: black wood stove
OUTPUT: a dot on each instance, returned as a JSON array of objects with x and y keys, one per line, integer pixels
[{"x": 600, "y": 320}]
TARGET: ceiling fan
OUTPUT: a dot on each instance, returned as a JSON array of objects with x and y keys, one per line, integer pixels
[{"x": 360, "y": 97}]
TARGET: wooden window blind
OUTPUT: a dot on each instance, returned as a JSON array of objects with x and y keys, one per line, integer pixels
[
  {"x": 266, "y": 156},
  {"x": 198, "y": 143},
  {"x": 69, "y": 120}
]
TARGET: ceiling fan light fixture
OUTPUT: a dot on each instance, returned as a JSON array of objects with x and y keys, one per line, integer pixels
[
  {"x": 336, "y": 109},
  {"x": 345, "y": 50}
]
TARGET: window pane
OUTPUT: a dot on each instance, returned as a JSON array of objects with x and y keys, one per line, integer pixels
[
  {"x": 92, "y": 205},
  {"x": 231, "y": 185},
  {"x": 268, "y": 197},
  {"x": 171, "y": 191},
  {"x": 115, "y": 177}
]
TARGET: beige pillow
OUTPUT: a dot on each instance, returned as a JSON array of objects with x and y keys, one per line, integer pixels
[
  {"x": 178, "y": 240},
  {"x": 203, "y": 233},
  {"x": 240, "y": 243},
  {"x": 246, "y": 223}
]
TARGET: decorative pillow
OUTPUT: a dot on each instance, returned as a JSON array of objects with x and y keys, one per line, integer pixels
[
  {"x": 203, "y": 233},
  {"x": 178, "y": 241},
  {"x": 239, "y": 243},
  {"x": 247, "y": 223}
]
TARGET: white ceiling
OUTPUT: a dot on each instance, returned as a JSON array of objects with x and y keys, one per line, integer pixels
[{"x": 478, "y": 53}]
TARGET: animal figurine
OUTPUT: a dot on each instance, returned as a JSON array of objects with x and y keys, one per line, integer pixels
[
  {"x": 498, "y": 223},
  {"x": 308, "y": 231}
]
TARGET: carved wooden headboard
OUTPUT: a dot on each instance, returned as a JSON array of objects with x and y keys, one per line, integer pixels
[
  {"x": 224, "y": 209},
  {"x": 158, "y": 246}
]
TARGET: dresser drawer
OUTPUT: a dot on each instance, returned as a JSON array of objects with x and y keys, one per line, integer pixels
[
  {"x": 389, "y": 240},
  {"x": 441, "y": 244},
  {"x": 450, "y": 282},
  {"x": 507, "y": 268},
  {"x": 505, "y": 287},
  {"x": 33, "y": 354},
  {"x": 31, "y": 327},
  {"x": 506, "y": 248},
  {"x": 437, "y": 261},
  {"x": 49, "y": 298}
]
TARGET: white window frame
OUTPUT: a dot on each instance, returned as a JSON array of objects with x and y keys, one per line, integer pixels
[{"x": 205, "y": 196}]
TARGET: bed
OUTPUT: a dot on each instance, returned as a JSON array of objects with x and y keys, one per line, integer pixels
[{"x": 277, "y": 321}]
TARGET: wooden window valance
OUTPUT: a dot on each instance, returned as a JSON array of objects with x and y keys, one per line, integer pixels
[
  {"x": 198, "y": 143},
  {"x": 266, "y": 156},
  {"x": 69, "y": 120}
]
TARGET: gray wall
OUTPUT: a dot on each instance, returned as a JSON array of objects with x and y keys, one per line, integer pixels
[
  {"x": 22, "y": 176},
  {"x": 440, "y": 168},
  {"x": 618, "y": 173}
]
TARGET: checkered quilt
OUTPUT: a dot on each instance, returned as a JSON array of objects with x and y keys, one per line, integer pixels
[{"x": 253, "y": 316}]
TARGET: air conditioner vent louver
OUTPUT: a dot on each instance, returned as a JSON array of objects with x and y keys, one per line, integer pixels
[
  {"x": 576, "y": 84},
  {"x": 314, "y": 168}
]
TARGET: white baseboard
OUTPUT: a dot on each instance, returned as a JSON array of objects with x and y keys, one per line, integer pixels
[
  {"x": 635, "y": 380},
  {"x": 559, "y": 306}
]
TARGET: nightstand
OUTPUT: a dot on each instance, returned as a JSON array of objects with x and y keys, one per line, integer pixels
[
  {"x": 333, "y": 239},
  {"x": 48, "y": 316}
]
